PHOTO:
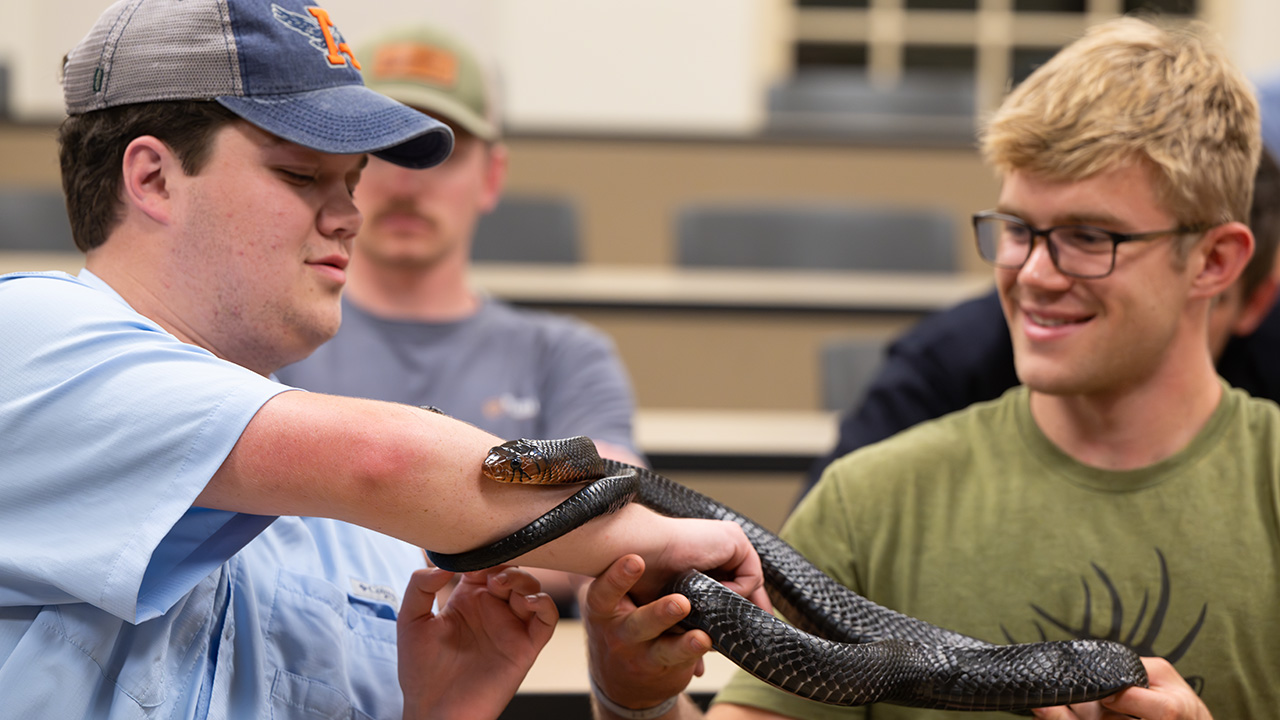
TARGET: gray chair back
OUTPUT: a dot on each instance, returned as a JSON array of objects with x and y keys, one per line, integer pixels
[
  {"x": 923, "y": 108},
  {"x": 34, "y": 219},
  {"x": 528, "y": 230},
  {"x": 817, "y": 238},
  {"x": 847, "y": 368}
]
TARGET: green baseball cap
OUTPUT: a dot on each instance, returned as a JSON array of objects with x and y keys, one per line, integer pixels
[{"x": 431, "y": 70}]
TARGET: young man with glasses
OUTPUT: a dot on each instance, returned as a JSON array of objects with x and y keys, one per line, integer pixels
[
  {"x": 963, "y": 355},
  {"x": 1124, "y": 490}
]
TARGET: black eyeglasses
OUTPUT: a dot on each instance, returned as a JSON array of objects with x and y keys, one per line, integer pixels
[{"x": 1081, "y": 251}]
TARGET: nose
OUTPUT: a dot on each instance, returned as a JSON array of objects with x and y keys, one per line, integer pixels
[
  {"x": 339, "y": 217},
  {"x": 1040, "y": 268}
]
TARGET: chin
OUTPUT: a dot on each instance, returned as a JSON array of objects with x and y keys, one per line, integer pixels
[
  {"x": 319, "y": 331},
  {"x": 1046, "y": 380},
  {"x": 1063, "y": 384}
]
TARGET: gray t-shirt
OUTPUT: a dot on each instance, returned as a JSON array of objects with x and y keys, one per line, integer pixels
[{"x": 510, "y": 371}]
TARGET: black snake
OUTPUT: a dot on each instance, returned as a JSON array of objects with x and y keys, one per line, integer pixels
[{"x": 842, "y": 649}]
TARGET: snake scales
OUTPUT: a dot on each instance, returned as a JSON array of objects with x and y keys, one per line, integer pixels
[{"x": 841, "y": 648}]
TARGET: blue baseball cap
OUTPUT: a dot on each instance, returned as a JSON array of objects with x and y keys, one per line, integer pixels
[{"x": 282, "y": 66}]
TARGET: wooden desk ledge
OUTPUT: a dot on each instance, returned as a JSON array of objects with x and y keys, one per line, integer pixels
[
  {"x": 649, "y": 286},
  {"x": 790, "y": 433}
]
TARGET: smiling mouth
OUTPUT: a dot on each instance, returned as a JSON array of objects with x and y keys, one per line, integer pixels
[{"x": 1052, "y": 322}]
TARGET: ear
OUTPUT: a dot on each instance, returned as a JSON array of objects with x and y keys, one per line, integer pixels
[
  {"x": 1222, "y": 255},
  {"x": 495, "y": 176},
  {"x": 148, "y": 164}
]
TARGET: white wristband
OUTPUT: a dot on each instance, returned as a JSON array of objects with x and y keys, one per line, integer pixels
[{"x": 656, "y": 711}]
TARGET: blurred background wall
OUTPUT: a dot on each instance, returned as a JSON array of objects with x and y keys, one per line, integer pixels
[{"x": 633, "y": 111}]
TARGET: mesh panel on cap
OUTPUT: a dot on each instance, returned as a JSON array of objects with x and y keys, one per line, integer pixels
[{"x": 155, "y": 50}]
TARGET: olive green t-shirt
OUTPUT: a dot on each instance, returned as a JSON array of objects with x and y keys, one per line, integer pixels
[{"x": 976, "y": 522}]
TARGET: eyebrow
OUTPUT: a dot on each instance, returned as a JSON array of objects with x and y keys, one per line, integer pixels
[{"x": 1075, "y": 218}]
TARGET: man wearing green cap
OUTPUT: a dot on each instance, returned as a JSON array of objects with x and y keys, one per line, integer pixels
[{"x": 413, "y": 328}]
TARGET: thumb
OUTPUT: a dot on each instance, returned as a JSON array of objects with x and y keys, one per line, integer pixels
[{"x": 420, "y": 595}]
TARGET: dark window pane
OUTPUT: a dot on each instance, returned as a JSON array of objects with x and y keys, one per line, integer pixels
[
  {"x": 842, "y": 55},
  {"x": 832, "y": 3},
  {"x": 938, "y": 57},
  {"x": 942, "y": 4},
  {"x": 1075, "y": 6},
  {"x": 1027, "y": 59},
  {"x": 1175, "y": 7}
]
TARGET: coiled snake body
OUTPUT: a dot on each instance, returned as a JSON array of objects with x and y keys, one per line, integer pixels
[{"x": 841, "y": 648}]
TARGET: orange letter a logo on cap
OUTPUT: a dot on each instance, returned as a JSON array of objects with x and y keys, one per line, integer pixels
[{"x": 336, "y": 48}]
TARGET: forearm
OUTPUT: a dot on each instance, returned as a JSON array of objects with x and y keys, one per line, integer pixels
[
  {"x": 408, "y": 473},
  {"x": 392, "y": 468}
]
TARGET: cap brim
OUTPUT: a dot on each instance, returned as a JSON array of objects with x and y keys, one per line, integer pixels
[
  {"x": 349, "y": 119},
  {"x": 438, "y": 105}
]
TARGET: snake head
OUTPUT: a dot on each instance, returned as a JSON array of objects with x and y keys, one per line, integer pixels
[{"x": 516, "y": 461}]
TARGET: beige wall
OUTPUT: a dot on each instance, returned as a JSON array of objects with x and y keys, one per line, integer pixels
[
  {"x": 30, "y": 156},
  {"x": 629, "y": 191}
]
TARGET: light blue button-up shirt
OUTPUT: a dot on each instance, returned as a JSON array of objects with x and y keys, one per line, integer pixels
[{"x": 118, "y": 599}]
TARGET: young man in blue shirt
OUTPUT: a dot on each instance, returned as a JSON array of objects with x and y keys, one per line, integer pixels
[{"x": 180, "y": 531}]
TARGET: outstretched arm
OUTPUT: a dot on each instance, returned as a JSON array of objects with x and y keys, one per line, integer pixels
[
  {"x": 416, "y": 475},
  {"x": 468, "y": 660}
]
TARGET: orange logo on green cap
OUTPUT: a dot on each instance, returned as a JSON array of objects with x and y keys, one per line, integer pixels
[{"x": 416, "y": 62}]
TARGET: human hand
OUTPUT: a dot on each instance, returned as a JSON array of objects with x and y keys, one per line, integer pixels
[
  {"x": 716, "y": 547},
  {"x": 638, "y": 657},
  {"x": 468, "y": 660},
  {"x": 1168, "y": 698}
]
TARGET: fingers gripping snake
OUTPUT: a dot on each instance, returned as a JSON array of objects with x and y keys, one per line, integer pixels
[{"x": 840, "y": 648}]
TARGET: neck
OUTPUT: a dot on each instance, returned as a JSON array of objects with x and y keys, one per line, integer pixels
[
  {"x": 439, "y": 292},
  {"x": 130, "y": 267},
  {"x": 1139, "y": 425}
]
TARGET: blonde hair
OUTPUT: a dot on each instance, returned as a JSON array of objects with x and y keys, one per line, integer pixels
[{"x": 1132, "y": 92}]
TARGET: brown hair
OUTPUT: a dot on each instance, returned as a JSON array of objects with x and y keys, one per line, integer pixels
[
  {"x": 1132, "y": 92},
  {"x": 91, "y": 152}
]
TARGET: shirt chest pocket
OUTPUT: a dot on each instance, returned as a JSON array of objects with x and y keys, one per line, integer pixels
[{"x": 330, "y": 654}]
